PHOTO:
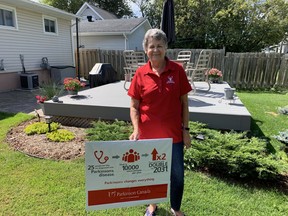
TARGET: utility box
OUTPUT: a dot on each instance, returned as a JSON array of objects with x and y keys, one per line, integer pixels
[
  {"x": 29, "y": 80},
  {"x": 59, "y": 73}
]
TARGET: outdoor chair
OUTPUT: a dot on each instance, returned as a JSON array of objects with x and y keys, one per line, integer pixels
[
  {"x": 184, "y": 57},
  {"x": 199, "y": 72},
  {"x": 133, "y": 59}
]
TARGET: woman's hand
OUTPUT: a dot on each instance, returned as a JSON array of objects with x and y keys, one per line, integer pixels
[
  {"x": 134, "y": 114},
  {"x": 134, "y": 135},
  {"x": 186, "y": 138}
]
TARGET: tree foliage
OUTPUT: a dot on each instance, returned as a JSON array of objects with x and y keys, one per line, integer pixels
[
  {"x": 142, "y": 4},
  {"x": 153, "y": 12},
  {"x": 118, "y": 7},
  {"x": 237, "y": 25}
]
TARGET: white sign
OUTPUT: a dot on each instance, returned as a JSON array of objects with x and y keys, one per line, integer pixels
[{"x": 127, "y": 173}]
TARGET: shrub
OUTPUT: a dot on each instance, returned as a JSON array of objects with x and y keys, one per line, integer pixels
[
  {"x": 232, "y": 153},
  {"x": 282, "y": 137},
  {"x": 40, "y": 128},
  {"x": 61, "y": 135},
  {"x": 50, "y": 89},
  {"x": 105, "y": 131},
  {"x": 283, "y": 110}
]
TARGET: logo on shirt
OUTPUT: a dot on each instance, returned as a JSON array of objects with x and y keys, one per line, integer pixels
[{"x": 170, "y": 80}]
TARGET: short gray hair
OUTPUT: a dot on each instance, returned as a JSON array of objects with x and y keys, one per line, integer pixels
[{"x": 158, "y": 34}]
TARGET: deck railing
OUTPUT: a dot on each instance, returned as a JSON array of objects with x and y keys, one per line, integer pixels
[{"x": 240, "y": 70}]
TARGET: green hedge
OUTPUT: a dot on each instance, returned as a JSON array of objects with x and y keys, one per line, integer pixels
[{"x": 233, "y": 154}]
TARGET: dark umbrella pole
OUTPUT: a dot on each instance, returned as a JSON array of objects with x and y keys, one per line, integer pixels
[{"x": 167, "y": 21}]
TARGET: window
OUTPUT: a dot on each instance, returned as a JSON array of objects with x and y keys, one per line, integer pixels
[
  {"x": 7, "y": 17},
  {"x": 50, "y": 25}
]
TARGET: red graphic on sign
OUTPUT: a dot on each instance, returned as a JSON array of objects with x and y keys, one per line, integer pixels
[
  {"x": 99, "y": 157},
  {"x": 118, "y": 195},
  {"x": 131, "y": 156},
  {"x": 156, "y": 156}
]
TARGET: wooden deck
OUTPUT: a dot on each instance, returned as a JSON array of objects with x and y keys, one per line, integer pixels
[{"x": 111, "y": 102}]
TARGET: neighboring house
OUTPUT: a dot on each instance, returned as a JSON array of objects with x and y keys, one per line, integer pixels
[
  {"x": 35, "y": 31},
  {"x": 100, "y": 29},
  {"x": 281, "y": 48},
  {"x": 95, "y": 12}
]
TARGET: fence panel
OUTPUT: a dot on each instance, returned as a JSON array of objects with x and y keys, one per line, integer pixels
[
  {"x": 240, "y": 70},
  {"x": 255, "y": 70},
  {"x": 282, "y": 79}
]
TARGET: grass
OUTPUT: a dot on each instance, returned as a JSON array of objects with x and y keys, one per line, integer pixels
[
  {"x": 263, "y": 107},
  {"x": 266, "y": 121},
  {"x": 31, "y": 186}
]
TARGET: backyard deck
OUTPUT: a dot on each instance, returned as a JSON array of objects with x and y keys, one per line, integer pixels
[{"x": 111, "y": 102}]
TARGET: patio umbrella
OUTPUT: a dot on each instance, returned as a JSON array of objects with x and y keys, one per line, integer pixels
[{"x": 167, "y": 21}]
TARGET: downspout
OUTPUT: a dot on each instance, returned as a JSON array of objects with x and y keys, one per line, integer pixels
[
  {"x": 77, "y": 52},
  {"x": 125, "y": 45}
]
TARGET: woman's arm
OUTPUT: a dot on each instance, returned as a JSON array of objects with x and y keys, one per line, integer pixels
[
  {"x": 134, "y": 115},
  {"x": 185, "y": 120}
]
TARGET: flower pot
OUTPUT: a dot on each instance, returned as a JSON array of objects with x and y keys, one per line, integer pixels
[
  {"x": 214, "y": 80},
  {"x": 229, "y": 93},
  {"x": 72, "y": 92}
]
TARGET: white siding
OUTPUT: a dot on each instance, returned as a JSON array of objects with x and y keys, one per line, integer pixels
[
  {"x": 31, "y": 41},
  {"x": 108, "y": 42},
  {"x": 135, "y": 40},
  {"x": 89, "y": 12},
  {"x": 114, "y": 42}
]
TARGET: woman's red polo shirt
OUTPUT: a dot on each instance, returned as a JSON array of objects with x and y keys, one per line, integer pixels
[{"x": 160, "y": 107}]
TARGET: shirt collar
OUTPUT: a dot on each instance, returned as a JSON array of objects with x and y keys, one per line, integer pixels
[{"x": 169, "y": 66}]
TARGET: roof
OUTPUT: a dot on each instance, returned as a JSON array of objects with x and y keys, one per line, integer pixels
[
  {"x": 103, "y": 14},
  {"x": 40, "y": 8},
  {"x": 111, "y": 26}
]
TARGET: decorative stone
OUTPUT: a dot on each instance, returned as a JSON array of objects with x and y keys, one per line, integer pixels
[{"x": 55, "y": 98}]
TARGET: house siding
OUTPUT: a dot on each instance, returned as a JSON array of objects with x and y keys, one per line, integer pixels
[
  {"x": 89, "y": 12},
  {"x": 108, "y": 42},
  {"x": 31, "y": 41},
  {"x": 136, "y": 39}
]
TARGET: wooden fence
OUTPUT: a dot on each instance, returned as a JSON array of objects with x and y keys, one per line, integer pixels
[
  {"x": 240, "y": 70},
  {"x": 256, "y": 70}
]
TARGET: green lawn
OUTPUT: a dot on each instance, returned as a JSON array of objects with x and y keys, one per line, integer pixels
[
  {"x": 264, "y": 110},
  {"x": 31, "y": 186}
]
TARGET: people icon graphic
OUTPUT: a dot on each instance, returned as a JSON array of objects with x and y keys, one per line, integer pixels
[{"x": 131, "y": 156}]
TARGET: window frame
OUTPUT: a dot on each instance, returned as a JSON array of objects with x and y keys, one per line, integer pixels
[
  {"x": 44, "y": 17},
  {"x": 14, "y": 17}
]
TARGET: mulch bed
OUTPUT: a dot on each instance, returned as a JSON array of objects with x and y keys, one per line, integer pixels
[{"x": 39, "y": 146}]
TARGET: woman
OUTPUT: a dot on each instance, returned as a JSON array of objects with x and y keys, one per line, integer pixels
[{"x": 159, "y": 109}]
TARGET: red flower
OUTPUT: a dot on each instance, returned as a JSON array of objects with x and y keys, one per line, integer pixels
[
  {"x": 214, "y": 73},
  {"x": 41, "y": 99},
  {"x": 73, "y": 84}
]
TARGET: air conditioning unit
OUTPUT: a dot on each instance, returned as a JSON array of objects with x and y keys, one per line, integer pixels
[
  {"x": 59, "y": 73},
  {"x": 29, "y": 80}
]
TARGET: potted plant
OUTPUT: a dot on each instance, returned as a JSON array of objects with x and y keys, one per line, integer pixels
[
  {"x": 73, "y": 85},
  {"x": 51, "y": 91},
  {"x": 214, "y": 75}
]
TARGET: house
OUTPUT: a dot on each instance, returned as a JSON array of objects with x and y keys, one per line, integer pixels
[
  {"x": 29, "y": 32},
  {"x": 281, "y": 48},
  {"x": 100, "y": 29},
  {"x": 94, "y": 12}
]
